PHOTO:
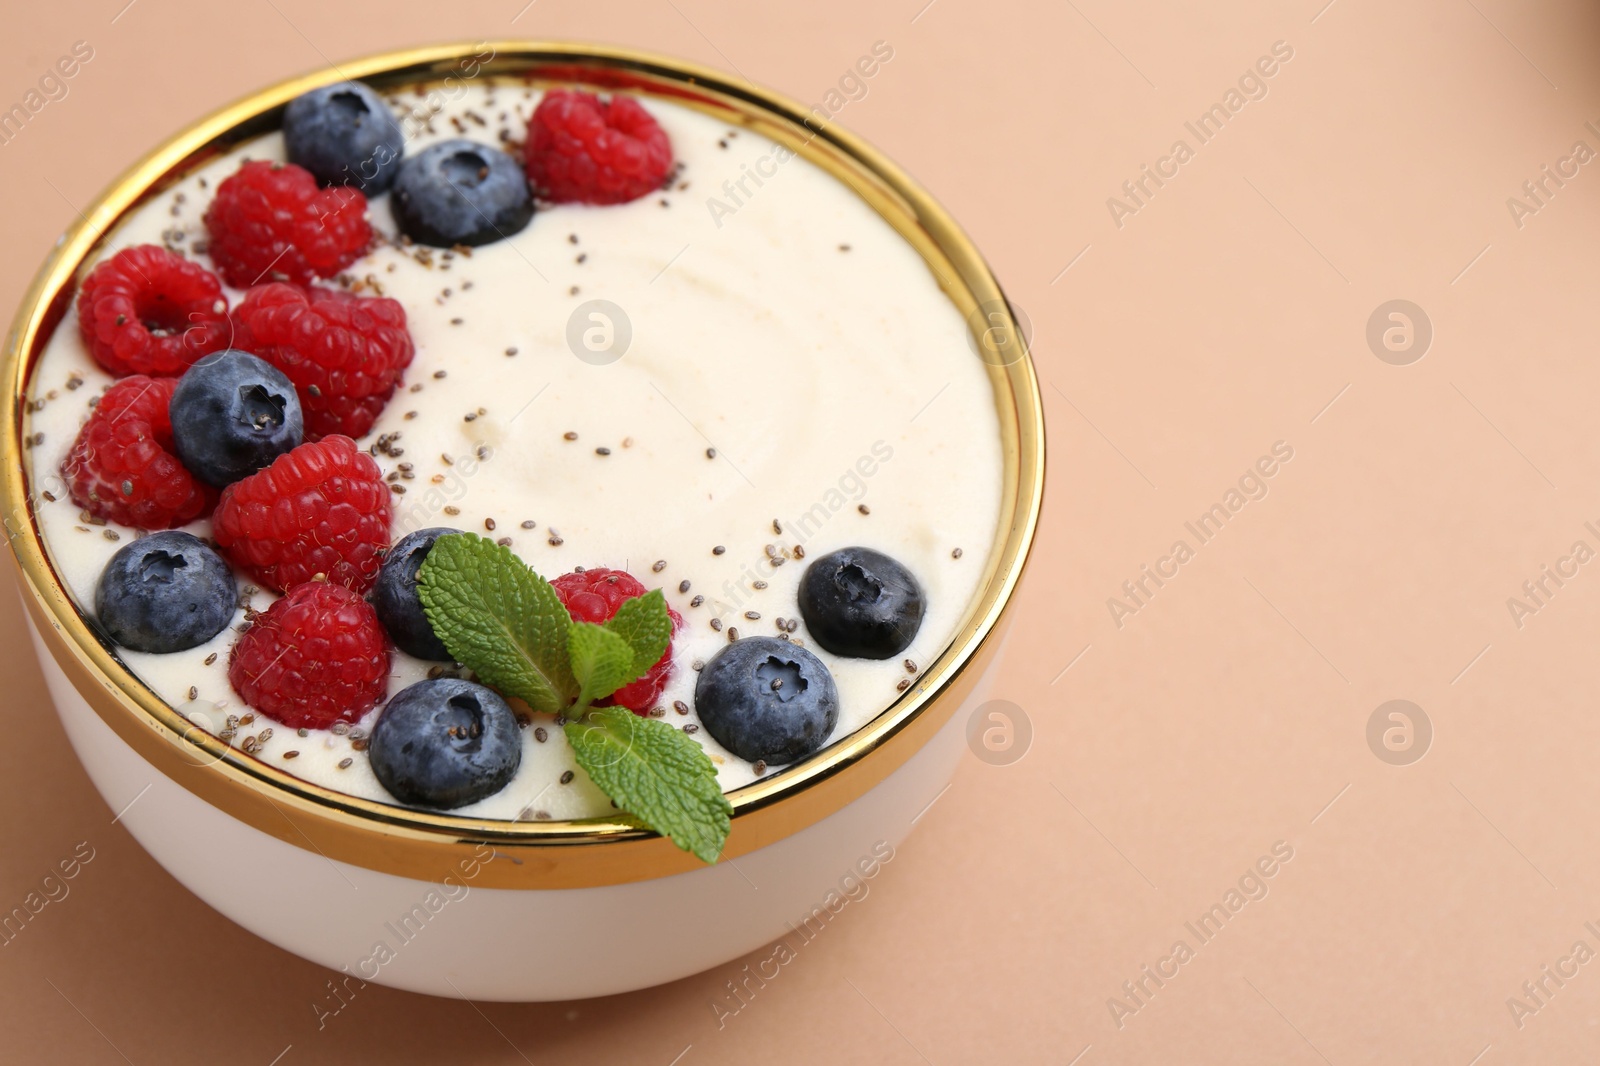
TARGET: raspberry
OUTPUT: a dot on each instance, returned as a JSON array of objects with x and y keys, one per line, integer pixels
[
  {"x": 321, "y": 509},
  {"x": 123, "y": 468},
  {"x": 344, "y": 353},
  {"x": 148, "y": 311},
  {"x": 594, "y": 596},
  {"x": 315, "y": 657},
  {"x": 269, "y": 221},
  {"x": 581, "y": 148}
]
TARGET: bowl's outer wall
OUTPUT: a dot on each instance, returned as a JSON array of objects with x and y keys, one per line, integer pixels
[{"x": 459, "y": 938}]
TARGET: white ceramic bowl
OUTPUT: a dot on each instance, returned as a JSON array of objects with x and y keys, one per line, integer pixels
[{"x": 514, "y": 910}]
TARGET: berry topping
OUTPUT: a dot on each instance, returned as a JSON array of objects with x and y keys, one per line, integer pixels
[
  {"x": 315, "y": 657},
  {"x": 164, "y": 593},
  {"x": 345, "y": 135},
  {"x": 445, "y": 743},
  {"x": 594, "y": 596},
  {"x": 270, "y": 222},
  {"x": 395, "y": 596},
  {"x": 321, "y": 509},
  {"x": 232, "y": 414},
  {"x": 148, "y": 311},
  {"x": 461, "y": 192},
  {"x": 587, "y": 150},
  {"x": 122, "y": 467},
  {"x": 767, "y": 699},
  {"x": 861, "y": 603},
  {"x": 344, "y": 353}
]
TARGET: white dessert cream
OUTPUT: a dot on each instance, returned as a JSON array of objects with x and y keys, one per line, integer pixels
[{"x": 793, "y": 381}]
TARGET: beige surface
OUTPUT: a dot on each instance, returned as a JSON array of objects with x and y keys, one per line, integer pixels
[{"x": 1225, "y": 315}]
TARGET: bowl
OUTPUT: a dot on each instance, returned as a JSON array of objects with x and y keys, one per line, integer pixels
[{"x": 524, "y": 911}]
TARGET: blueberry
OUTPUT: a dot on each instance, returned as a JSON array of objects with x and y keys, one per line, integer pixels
[
  {"x": 345, "y": 135},
  {"x": 445, "y": 743},
  {"x": 232, "y": 414},
  {"x": 765, "y": 698},
  {"x": 461, "y": 192},
  {"x": 861, "y": 603},
  {"x": 394, "y": 596},
  {"x": 165, "y": 592}
]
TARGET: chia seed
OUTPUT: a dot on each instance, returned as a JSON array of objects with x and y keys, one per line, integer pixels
[
  {"x": 658, "y": 566},
  {"x": 540, "y": 734},
  {"x": 566, "y": 777}
]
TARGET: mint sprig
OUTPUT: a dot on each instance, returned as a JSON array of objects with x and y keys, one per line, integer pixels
[
  {"x": 499, "y": 619},
  {"x": 602, "y": 662},
  {"x": 507, "y": 625}
]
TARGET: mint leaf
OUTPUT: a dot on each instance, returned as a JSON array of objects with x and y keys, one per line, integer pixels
[
  {"x": 499, "y": 619},
  {"x": 655, "y": 773},
  {"x": 602, "y": 662},
  {"x": 643, "y": 623}
]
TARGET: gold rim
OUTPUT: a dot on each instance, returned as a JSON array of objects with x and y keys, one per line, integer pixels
[{"x": 535, "y": 854}]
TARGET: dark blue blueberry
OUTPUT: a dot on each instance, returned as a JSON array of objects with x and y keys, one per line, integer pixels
[
  {"x": 445, "y": 743},
  {"x": 232, "y": 414},
  {"x": 394, "y": 596},
  {"x": 765, "y": 698},
  {"x": 861, "y": 603},
  {"x": 165, "y": 592},
  {"x": 461, "y": 192},
  {"x": 345, "y": 135}
]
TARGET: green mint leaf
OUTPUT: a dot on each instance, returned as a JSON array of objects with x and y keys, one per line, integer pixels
[
  {"x": 643, "y": 623},
  {"x": 499, "y": 619},
  {"x": 602, "y": 662},
  {"x": 655, "y": 773}
]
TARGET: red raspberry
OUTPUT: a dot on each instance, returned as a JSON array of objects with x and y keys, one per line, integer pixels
[
  {"x": 122, "y": 467},
  {"x": 148, "y": 311},
  {"x": 581, "y": 148},
  {"x": 269, "y": 221},
  {"x": 594, "y": 596},
  {"x": 344, "y": 353},
  {"x": 321, "y": 509},
  {"x": 315, "y": 657}
]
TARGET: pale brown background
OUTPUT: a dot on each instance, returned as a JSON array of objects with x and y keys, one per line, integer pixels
[{"x": 1225, "y": 716}]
